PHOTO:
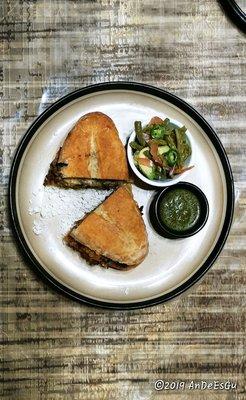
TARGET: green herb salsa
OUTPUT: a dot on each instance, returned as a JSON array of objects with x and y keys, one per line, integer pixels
[{"x": 179, "y": 209}]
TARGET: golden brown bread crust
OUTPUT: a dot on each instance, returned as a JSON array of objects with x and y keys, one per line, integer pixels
[
  {"x": 55, "y": 178},
  {"x": 115, "y": 229},
  {"x": 93, "y": 151}
]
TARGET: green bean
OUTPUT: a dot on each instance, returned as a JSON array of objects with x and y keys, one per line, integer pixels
[
  {"x": 135, "y": 146},
  {"x": 170, "y": 142},
  {"x": 160, "y": 142},
  {"x": 139, "y": 133},
  {"x": 166, "y": 121},
  {"x": 182, "y": 145},
  {"x": 147, "y": 154}
]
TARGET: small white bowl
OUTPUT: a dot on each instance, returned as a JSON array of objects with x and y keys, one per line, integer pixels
[{"x": 157, "y": 183}]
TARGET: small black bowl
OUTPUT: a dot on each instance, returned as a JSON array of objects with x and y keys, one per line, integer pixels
[{"x": 162, "y": 229}]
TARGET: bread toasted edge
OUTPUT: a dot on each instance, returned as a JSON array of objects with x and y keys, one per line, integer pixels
[
  {"x": 92, "y": 257},
  {"x": 54, "y": 177}
]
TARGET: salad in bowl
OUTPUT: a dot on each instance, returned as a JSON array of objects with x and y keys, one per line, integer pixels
[{"x": 160, "y": 152}]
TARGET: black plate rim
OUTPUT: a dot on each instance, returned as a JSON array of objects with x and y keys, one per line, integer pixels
[
  {"x": 235, "y": 13},
  {"x": 156, "y": 92}
]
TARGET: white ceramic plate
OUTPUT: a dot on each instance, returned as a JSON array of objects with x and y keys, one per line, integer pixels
[{"x": 43, "y": 215}]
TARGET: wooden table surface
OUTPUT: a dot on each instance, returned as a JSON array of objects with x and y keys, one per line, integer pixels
[{"x": 51, "y": 346}]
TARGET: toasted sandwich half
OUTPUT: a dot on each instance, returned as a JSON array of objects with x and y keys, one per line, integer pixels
[
  {"x": 114, "y": 234},
  {"x": 92, "y": 155}
]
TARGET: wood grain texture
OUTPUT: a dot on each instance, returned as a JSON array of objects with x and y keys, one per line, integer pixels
[{"x": 51, "y": 346}]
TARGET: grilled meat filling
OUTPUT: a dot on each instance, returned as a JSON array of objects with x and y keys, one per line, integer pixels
[
  {"x": 92, "y": 257},
  {"x": 55, "y": 178}
]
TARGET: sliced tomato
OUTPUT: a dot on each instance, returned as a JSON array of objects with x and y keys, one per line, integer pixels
[
  {"x": 181, "y": 170},
  {"x": 145, "y": 161},
  {"x": 154, "y": 153},
  {"x": 156, "y": 121}
]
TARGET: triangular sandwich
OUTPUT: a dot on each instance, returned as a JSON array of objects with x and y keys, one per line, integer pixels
[
  {"x": 92, "y": 155},
  {"x": 114, "y": 234}
]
